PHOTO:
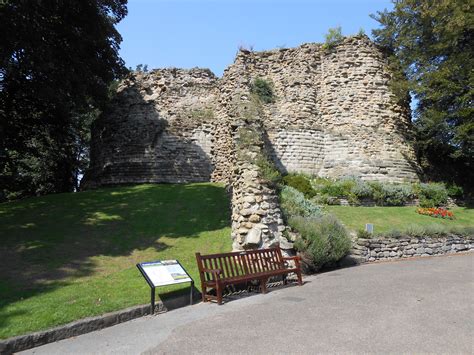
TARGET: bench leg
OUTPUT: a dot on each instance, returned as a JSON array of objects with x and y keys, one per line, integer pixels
[
  {"x": 300, "y": 279},
  {"x": 263, "y": 285},
  {"x": 219, "y": 293},
  {"x": 204, "y": 292}
]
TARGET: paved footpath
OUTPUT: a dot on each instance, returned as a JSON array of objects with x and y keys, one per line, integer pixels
[{"x": 414, "y": 306}]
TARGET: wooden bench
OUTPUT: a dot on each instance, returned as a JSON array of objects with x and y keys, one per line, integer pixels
[{"x": 220, "y": 270}]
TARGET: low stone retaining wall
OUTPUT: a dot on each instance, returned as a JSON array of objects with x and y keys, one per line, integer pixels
[{"x": 379, "y": 248}]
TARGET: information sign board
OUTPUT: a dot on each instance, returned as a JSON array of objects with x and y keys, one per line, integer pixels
[{"x": 164, "y": 272}]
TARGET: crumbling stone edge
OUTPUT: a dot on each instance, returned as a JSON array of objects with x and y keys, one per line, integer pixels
[{"x": 87, "y": 325}]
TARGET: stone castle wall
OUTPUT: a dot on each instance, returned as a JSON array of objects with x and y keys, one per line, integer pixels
[
  {"x": 160, "y": 128},
  {"x": 333, "y": 115}
]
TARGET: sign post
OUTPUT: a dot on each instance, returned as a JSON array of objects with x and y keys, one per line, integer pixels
[{"x": 162, "y": 273}]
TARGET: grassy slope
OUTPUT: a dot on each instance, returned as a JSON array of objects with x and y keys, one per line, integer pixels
[
  {"x": 388, "y": 218},
  {"x": 69, "y": 256}
]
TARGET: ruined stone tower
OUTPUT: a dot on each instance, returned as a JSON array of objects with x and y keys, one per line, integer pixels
[{"x": 333, "y": 115}]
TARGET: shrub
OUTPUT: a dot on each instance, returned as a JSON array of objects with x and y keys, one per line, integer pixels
[
  {"x": 377, "y": 192},
  {"x": 294, "y": 204},
  {"x": 363, "y": 234},
  {"x": 333, "y": 37},
  {"x": 429, "y": 230},
  {"x": 454, "y": 191},
  {"x": 340, "y": 188},
  {"x": 361, "y": 189},
  {"x": 263, "y": 90},
  {"x": 301, "y": 183},
  {"x": 386, "y": 194},
  {"x": 432, "y": 195},
  {"x": 396, "y": 195},
  {"x": 324, "y": 240},
  {"x": 319, "y": 182},
  {"x": 268, "y": 171}
]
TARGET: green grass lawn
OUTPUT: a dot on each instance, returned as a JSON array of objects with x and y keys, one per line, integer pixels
[
  {"x": 70, "y": 256},
  {"x": 385, "y": 219}
]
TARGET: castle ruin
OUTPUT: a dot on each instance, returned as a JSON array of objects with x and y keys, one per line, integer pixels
[{"x": 333, "y": 115}]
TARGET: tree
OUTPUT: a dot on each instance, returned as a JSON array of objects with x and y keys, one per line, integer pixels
[
  {"x": 431, "y": 43},
  {"x": 57, "y": 59}
]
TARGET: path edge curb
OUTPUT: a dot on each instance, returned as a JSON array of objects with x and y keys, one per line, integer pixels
[{"x": 90, "y": 324}]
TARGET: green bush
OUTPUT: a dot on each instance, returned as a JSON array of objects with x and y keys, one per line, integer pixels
[
  {"x": 396, "y": 194},
  {"x": 340, "y": 188},
  {"x": 432, "y": 194},
  {"x": 268, "y": 171},
  {"x": 454, "y": 191},
  {"x": 363, "y": 234},
  {"x": 352, "y": 188},
  {"x": 430, "y": 230},
  {"x": 301, "y": 183},
  {"x": 293, "y": 203},
  {"x": 263, "y": 90},
  {"x": 361, "y": 189},
  {"x": 324, "y": 240},
  {"x": 333, "y": 37}
]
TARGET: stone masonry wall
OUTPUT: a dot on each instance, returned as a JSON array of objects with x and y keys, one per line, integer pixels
[
  {"x": 257, "y": 220},
  {"x": 160, "y": 128},
  {"x": 333, "y": 115},
  {"x": 375, "y": 249}
]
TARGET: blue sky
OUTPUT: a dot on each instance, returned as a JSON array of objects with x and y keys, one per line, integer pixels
[{"x": 208, "y": 33}]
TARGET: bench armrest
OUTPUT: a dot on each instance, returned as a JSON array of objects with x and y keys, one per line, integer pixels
[{"x": 296, "y": 258}]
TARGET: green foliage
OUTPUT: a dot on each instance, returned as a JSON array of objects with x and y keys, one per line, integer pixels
[
  {"x": 300, "y": 183},
  {"x": 333, "y": 37},
  {"x": 142, "y": 68},
  {"x": 363, "y": 234},
  {"x": 361, "y": 32},
  {"x": 267, "y": 169},
  {"x": 56, "y": 64},
  {"x": 324, "y": 240},
  {"x": 431, "y": 49},
  {"x": 454, "y": 190},
  {"x": 293, "y": 203},
  {"x": 249, "y": 148},
  {"x": 386, "y": 218},
  {"x": 386, "y": 194},
  {"x": 432, "y": 195},
  {"x": 263, "y": 90},
  {"x": 430, "y": 230},
  {"x": 361, "y": 189}
]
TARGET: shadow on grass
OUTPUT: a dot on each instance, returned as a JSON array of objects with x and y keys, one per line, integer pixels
[{"x": 49, "y": 241}]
